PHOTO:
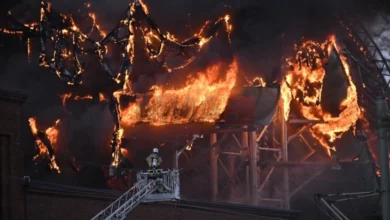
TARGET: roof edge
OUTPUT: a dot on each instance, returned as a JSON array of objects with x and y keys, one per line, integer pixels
[{"x": 12, "y": 96}]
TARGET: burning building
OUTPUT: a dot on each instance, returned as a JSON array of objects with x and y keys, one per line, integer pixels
[{"x": 269, "y": 140}]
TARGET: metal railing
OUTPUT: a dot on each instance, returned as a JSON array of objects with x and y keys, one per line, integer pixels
[
  {"x": 152, "y": 185},
  {"x": 128, "y": 201},
  {"x": 168, "y": 181}
]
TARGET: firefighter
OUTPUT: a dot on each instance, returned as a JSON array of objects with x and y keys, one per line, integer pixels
[{"x": 154, "y": 160}]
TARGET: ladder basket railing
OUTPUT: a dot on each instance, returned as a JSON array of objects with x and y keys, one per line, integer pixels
[{"x": 124, "y": 204}]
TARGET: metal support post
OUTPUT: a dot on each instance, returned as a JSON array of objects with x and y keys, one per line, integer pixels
[
  {"x": 231, "y": 169},
  {"x": 247, "y": 181},
  {"x": 284, "y": 143},
  {"x": 176, "y": 160},
  {"x": 214, "y": 167},
  {"x": 253, "y": 166},
  {"x": 177, "y": 153},
  {"x": 244, "y": 144},
  {"x": 384, "y": 159},
  {"x": 244, "y": 137}
]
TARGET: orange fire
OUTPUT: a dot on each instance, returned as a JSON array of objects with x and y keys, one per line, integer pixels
[
  {"x": 115, "y": 155},
  {"x": 203, "y": 99},
  {"x": 257, "y": 82},
  {"x": 52, "y": 134},
  {"x": 102, "y": 98},
  {"x": 65, "y": 97},
  {"x": 297, "y": 82}
]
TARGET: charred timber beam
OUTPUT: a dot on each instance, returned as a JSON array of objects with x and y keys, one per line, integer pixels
[
  {"x": 312, "y": 150},
  {"x": 230, "y": 153},
  {"x": 270, "y": 172},
  {"x": 303, "y": 129},
  {"x": 236, "y": 140},
  {"x": 234, "y": 130},
  {"x": 269, "y": 149},
  {"x": 261, "y": 133},
  {"x": 303, "y": 121},
  {"x": 224, "y": 167}
]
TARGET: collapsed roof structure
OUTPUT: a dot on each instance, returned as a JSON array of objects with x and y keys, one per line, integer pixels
[{"x": 278, "y": 124}]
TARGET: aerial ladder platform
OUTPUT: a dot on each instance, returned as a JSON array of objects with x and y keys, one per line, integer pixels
[
  {"x": 154, "y": 185},
  {"x": 151, "y": 186}
]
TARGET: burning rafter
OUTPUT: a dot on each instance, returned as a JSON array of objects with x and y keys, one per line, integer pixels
[
  {"x": 69, "y": 96},
  {"x": 303, "y": 83},
  {"x": 66, "y": 37},
  {"x": 45, "y": 142},
  {"x": 203, "y": 99}
]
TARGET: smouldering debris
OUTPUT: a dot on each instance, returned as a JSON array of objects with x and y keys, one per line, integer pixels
[
  {"x": 303, "y": 82},
  {"x": 45, "y": 142}
]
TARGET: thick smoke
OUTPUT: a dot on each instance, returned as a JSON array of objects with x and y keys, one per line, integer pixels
[
  {"x": 378, "y": 27},
  {"x": 263, "y": 32}
]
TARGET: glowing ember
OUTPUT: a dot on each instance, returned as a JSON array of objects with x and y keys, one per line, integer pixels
[
  {"x": 304, "y": 83},
  {"x": 203, "y": 99},
  {"x": 102, "y": 98},
  {"x": 116, "y": 156},
  {"x": 257, "y": 82},
  {"x": 45, "y": 150},
  {"x": 69, "y": 96}
]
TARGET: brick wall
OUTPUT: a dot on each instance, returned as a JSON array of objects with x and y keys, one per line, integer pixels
[
  {"x": 40, "y": 206},
  {"x": 146, "y": 212},
  {"x": 17, "y": 203},
  {"x": 12, "y": 166}
]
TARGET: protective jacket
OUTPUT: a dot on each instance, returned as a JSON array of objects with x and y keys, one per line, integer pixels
[{"x": 154, "y": 160}]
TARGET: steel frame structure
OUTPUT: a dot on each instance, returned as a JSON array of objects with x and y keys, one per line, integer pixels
[
  {"x": 147, "y": 183},
  {"x": 370, "y": 67},
  {"x": 128, "y": 201},
  {"x": 371, "y": 74},
  {"x": 327, "y": 203},
  {"x": 247, "y": 144}
]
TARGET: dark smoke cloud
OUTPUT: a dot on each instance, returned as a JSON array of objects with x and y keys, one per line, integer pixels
[
  {"x": 257, "y": 42},
  {"x": 263, "y": 32}
]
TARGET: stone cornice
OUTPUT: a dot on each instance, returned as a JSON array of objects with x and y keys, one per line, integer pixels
[{"x": 12, "y": 96}]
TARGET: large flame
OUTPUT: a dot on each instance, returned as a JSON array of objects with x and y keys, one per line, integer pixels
[
  {"x": 52, "y": 134},
  {"x": 307, "y": 80},
  {"x": 203, "y": 99}
]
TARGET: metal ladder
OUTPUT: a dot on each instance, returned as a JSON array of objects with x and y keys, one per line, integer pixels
[{"x": 128, "y": 201}]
